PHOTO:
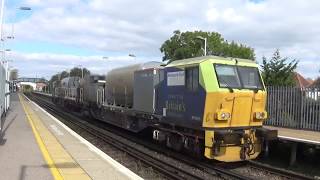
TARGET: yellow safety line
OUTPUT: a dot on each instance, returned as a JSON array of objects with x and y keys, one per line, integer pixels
[{"x": 45, "y": 153}]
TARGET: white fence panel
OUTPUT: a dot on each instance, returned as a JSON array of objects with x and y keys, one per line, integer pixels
[{"x": 294, "y": 107}]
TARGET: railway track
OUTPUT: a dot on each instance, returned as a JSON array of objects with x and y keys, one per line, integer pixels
[
  {"x": 169, "y": 170},
  {"x": 277, "y": 171}
]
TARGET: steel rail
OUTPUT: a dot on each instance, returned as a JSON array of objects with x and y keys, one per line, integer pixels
[
  {"x": 214, "y": 170},
  {"x": 278, "y": 171},
  {"x": 170, "y": 170},
  {"x": 211, "y": 170}
]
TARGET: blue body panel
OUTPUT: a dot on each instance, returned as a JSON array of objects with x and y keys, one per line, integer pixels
[{"x": 182, "y": 106}]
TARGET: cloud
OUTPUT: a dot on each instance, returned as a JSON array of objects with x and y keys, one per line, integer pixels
[
  {"x": 228, "y": 15},
  {"x": 51, "y": 3},
  {"x": 47, "y": 64},
  {"x": 122, "y": 26}
]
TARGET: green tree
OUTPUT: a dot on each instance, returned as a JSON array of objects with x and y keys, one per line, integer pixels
[
  {"x": 278, "y": 71},
  {"x": 59, "y": 76},
  {"x": 186, "y": 45},
  {"x": 62, "y": 75},
  {"x": 76, "y": 71},
  {"x": 56, "y": 77}
]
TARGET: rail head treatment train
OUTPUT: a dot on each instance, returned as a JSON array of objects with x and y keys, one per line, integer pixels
[{"x": 209, "y": 105}]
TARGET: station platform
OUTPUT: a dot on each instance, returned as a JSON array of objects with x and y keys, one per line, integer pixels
[
  {"x": 297, "y": 135},
  {"x": 35, "y": 145}
]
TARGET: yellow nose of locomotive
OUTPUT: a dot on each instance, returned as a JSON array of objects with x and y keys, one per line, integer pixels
[
  {"x": 237, "y": 109},
  {"x": 232, "y": 119},
  {"x": 234, "y": 109}
]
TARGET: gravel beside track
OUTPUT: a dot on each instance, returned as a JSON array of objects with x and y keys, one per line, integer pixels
[{"x": 124, "y": 148}]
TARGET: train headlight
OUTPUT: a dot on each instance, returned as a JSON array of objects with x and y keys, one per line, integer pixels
[
  {"x": 222, "y": 115},
  {"x": 261, "y": 115}
]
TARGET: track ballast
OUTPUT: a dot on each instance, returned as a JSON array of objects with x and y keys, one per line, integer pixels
[{"x": 204, "y": 169}]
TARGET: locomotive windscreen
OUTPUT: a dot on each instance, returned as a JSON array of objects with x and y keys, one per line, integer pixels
[{"x": 239, "y": 77}]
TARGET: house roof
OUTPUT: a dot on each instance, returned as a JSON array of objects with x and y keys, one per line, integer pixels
[
  {"x": 301, "y": 81},
  {"x": 315, "y": 83},
  {"x": 41, "y": 84},
  {"x": 310, "y": 80}
]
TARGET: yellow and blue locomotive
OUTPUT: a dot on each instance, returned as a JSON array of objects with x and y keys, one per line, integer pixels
[
  {"x": 223, "y": 100},
  {"x": 208, "y": 105}
]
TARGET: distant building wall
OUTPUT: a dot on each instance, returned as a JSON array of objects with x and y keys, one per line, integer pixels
[
  {"x": 33, "y": 85},
  {"x": 40, "y": 86}
]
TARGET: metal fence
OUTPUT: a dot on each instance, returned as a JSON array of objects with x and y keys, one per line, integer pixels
[{"x": 294, "y": 107}]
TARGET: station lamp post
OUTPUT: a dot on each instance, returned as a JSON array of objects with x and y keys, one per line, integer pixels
[
  {"x": 205, "y": 44},
  {"x": 3, "y": 42},
  {"x": 12, "y": 30},
  {"x": 80, "y": 66},
  {"x": 59, "y": 75},
  {"x": 7, "y": 89},
  {"x": 24, "y": 8},
  {"x": 133, "y": 56}
]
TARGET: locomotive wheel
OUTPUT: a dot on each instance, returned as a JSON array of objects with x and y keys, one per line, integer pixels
[{"x": 175, "y": 142}]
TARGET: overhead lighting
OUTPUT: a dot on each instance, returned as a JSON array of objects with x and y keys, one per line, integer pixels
[
  {"x": 132, "y": 55},
  {"x": 25, "y": 8}
]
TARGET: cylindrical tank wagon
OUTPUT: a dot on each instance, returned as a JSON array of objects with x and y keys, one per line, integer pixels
[{"x": 120, "y": 83}]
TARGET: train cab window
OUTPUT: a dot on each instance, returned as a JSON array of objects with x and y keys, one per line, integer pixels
[
  {"x": 192, "y": 78},
  {"x": 230, "y": 76},
  {"x": 227, "y": 76},
  {"x": 250, "y": 77}
]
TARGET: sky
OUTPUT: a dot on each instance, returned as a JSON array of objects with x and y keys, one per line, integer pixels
[{"x": 57, "y": 35}]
